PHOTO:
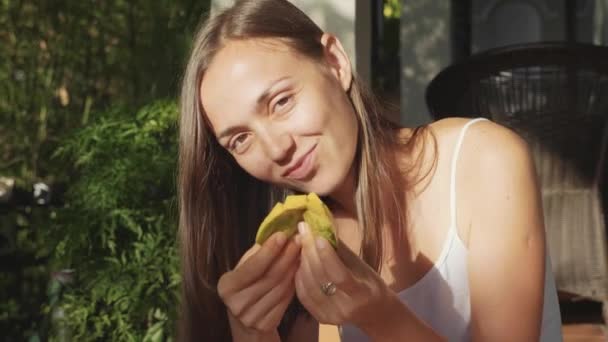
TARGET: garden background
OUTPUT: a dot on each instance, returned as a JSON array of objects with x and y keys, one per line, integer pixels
[{"x": 88, "y": 135}]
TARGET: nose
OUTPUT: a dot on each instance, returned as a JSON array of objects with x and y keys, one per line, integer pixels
[{"x": 278, "y": 145}]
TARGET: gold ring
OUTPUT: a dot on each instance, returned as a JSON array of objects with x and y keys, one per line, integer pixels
[{"x": 328, "y": 288}]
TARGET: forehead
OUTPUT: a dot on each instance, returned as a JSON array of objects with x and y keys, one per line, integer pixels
[{"x": 243, "y": 70}]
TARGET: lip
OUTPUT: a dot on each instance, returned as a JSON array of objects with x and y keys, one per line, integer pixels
[{"x": 302, "y": 167}]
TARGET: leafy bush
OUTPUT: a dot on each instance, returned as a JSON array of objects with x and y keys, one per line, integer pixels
[
  {"x": 118, "y": 231},
  {"x": 62, "y": 63}
]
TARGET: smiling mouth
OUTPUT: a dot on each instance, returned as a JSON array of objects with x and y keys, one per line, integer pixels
[{"x": 303, "y": 167}]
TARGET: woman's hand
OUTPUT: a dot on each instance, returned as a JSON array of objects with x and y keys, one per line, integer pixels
[
  {"x": 361, "y": 297},
  {"x": 259, "y": 289}
]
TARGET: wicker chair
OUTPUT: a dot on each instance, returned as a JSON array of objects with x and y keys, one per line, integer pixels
[{"x": 555, "y": 95}]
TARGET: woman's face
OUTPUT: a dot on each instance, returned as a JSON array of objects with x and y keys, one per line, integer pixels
[{"x": 286, "y": 119}]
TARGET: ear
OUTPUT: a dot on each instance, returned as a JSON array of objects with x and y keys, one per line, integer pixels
[{"x": 337, "y": 60}]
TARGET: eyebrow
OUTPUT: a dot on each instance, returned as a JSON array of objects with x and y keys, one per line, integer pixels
[{"x": 260, "y": 100}]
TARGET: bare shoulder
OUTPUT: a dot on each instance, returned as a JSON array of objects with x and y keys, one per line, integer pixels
[
  {"x": 494, "y": 168},
  {"x": 489, "y": 150},
  {"x": 479, "y": 133}
]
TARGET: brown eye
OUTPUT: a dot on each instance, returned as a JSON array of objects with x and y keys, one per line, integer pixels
[
  {"x": 238, "y": 142},
  {"x": 282, "y": 103}
]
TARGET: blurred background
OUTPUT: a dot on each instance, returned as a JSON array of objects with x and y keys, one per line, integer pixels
[{"x": 88, "y": 140}]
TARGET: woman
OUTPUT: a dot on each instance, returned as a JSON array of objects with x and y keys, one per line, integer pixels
[{"x": 441, "y": 232}]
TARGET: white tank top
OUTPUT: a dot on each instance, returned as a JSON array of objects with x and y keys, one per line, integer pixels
[{"x": 441, "y": 297}]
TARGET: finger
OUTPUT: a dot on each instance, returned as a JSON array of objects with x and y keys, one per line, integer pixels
[
  {"x": 251, "y": 251},
  {"x": 334, "y": 268},
  {"x": 312, "y": 284},
  {"x": 273, "y": 319},
  {"x": 243, "y": 299},
  {"x": 309, "y": 251},
  {"x": 253, "y": 316},
  {"x": 325, "y": 262},
  {"x": 330, "y": 312},
  {"x": 318, "y": 263},
  {"x": 331, "y": 308},
  {"x": 306, "y": 237},
  {"x": 288, "y": 258},
  {"x": 255, "y": 266},
  {"x": 303, "y": 296}
]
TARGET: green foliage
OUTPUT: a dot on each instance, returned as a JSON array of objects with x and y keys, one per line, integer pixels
[
  {"x": 62, "y": 60},
  {"x": 119, "y": 231},
  {"x": 64, "y": 65}
]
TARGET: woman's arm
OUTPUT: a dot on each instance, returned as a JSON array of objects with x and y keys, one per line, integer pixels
[{"x": 506, "y": 238}]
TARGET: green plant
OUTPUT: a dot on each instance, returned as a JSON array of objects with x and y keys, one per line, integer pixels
[
  {"x": 118, "y": 232},
  {"x": 63, "y": 65}
]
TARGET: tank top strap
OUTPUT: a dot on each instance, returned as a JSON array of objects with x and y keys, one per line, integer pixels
[{"x": 453, "y": 172}]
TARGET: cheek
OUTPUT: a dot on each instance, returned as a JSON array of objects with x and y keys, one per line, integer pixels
[
  {"x": 341, "y": 123},
  {"x": 256, "y": 165},
  {"x": 341, "y": 135},
  {"x": 334, "y": 120},
  {"x": 308, "y": 120}
]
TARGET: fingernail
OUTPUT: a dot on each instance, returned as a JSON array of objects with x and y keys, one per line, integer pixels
[
  {"x": 321, "y": 243},
  {"x": 280, "y": 239},
  {"x": 302, "y": 228}
]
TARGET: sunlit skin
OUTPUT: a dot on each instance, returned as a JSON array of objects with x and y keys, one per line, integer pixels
[
  {"x": 307, "y": 106},
  {"x": 269, "y": 114}
]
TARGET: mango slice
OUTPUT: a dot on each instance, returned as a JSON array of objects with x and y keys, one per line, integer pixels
[{"x": 285, "y": 217}]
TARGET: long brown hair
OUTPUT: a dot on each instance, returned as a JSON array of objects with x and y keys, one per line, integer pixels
[{"x": 221, "y": 205}]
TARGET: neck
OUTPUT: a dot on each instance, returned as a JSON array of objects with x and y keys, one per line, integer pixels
[{"x": 343, "y": 198}]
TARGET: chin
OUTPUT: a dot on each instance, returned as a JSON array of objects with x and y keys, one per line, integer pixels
[
  {"x": 325, "y": 184},
  {"x": 319, "y": 186}
]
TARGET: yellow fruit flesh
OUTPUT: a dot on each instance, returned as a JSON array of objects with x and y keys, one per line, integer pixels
[{"x": 285, "y": 217}]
